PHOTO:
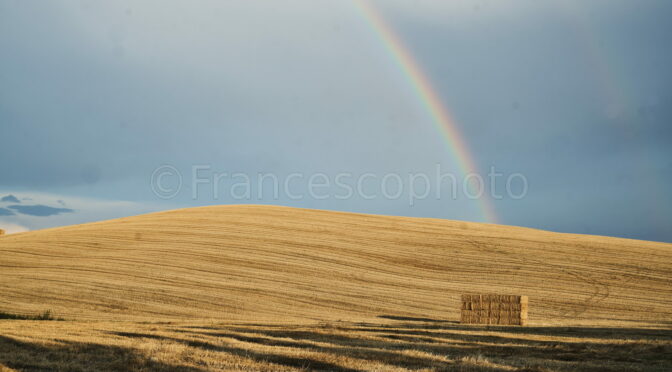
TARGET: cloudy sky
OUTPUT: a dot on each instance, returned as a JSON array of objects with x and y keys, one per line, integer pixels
[{"x": 109, "y": 109}]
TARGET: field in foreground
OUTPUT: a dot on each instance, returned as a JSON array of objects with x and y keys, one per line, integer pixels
[
  {"x": 389, "y": 345},
  {"x": 386, "y": 290}
]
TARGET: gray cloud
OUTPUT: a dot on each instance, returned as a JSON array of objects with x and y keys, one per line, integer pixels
[
  {"x": 10, "y": 199},
  {"x": 6, "y": 212},
  {"x": 39, "y": 210}
]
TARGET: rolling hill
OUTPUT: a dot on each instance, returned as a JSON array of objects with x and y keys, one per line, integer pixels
[{"x": 263, "y": 263}]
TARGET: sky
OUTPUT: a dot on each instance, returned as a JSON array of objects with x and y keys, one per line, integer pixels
[{"x": 112, "y": 109}]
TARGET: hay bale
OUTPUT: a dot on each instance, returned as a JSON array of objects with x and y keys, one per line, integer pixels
[
  {"x": 494, "y": 309},
  {"x": 524, "y": 306},
  {"x": 2, "y": 232}
]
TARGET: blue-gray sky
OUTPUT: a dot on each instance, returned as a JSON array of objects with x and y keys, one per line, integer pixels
[{"x": 574, "y": 95}]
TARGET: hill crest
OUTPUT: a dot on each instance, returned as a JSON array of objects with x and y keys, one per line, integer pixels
[{"x": 250, "y": 262}]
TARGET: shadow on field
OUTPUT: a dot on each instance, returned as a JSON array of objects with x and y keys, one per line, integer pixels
[
  {"x": 285, "y": 360},
  {"x": 415, "y": 345},
  {"x": 604, "y": 333},
  {"x": 409, "y": 343},
  {"x": 69, "y": 356},
  {"x": 414, "y": 319},
  {"x": 354, "y": 348}
]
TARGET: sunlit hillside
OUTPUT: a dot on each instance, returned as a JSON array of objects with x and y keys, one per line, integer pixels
[{"x": 261, "y": 263}]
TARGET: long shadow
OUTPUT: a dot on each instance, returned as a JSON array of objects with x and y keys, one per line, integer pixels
[
  {"x": 303, "y": 363},
  {"x": 414, "y": 319},
  {"x": 370, "y": 350},
  {"x": 609, "y": 333},
  {"x": 644, "y": 353},
  {"x": 455, "y": 346},
  {"x": 382, "y": 350},
  {"x": 354, "y": 348},
  {"x": 606, "y": 333},
  {"x": 77, "y": 356},
  {"x": 451, "y": 335},
  {"x": 383, "y": 343},
  {"x": 136, "y": 335}
]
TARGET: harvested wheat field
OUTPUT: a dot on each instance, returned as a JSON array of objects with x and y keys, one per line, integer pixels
[{"x": 273, "y": 288}]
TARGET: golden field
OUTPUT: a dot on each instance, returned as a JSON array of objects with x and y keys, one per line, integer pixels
[{"x": 275, "y": 288}]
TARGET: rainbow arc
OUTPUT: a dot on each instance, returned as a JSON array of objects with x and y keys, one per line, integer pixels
[{"x": 428, "y": 97}]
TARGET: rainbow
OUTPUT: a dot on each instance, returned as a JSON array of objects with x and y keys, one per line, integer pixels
[{"x": 428, "y": 96}]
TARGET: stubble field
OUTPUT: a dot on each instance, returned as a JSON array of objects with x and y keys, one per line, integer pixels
[{"x": 274, "y": 288}]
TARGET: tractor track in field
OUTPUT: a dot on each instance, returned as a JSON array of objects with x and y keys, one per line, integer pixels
[
  {"x": 254, "y": 262},
  {"x": 600, "y": 291}
]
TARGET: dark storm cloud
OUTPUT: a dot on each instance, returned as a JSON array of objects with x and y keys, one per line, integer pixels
[
  {"x": 6, "y": 212},
  {"x": 39, "y": 210},
  {"x": 10, "y": 199}
]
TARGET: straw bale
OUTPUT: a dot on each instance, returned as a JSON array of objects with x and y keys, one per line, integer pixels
[{"x": 494, "y": 309}]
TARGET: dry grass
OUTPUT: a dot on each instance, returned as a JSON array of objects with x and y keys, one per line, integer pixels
[
  {"x": 274, "y": 265},
  {"x": 339, "y": 346}
]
